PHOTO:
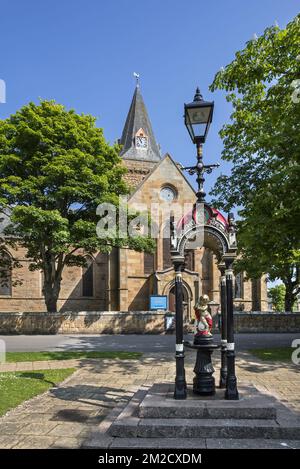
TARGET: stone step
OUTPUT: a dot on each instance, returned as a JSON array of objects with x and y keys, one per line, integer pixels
[
  {"x": 169, "y": 410},
  {"x": 275, "y": 422},
  {"x": 199, "y": 443},
  {"x": 159, "y": 403},
  {"x": 133, "y": 427}
]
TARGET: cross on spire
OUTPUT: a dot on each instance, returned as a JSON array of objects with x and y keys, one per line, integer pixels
[{"x": 137, "y": 77}]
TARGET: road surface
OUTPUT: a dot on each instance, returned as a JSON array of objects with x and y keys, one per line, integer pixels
[{"x": 137, "y": 343}]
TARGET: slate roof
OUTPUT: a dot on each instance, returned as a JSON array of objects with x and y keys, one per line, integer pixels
[{"x": 138, "y": 118}]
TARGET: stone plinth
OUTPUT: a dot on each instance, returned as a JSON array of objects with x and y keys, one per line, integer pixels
[{"x": 154, "y": 414}]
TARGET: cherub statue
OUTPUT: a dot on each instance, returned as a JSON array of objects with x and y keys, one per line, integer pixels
[{"x": 203, "y": 320}]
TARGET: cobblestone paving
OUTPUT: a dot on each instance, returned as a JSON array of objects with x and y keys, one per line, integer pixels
[{"x": 65, "y": 416}]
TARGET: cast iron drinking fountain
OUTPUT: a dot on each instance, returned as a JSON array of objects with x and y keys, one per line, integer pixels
[{"x": 204, "y": 382}]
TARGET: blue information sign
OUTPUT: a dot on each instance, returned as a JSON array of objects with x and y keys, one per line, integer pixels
[{"x": 158, "y": 302}]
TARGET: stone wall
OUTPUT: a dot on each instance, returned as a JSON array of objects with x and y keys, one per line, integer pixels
[
  {"x": 267, "y": 322},
  {"x": 133, "y": 322},
  {"x": 84, "y": 322},
  {"x": 137, "y": 171}
]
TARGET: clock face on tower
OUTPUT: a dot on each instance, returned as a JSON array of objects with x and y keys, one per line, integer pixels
[{"x": 141, "y": 140}]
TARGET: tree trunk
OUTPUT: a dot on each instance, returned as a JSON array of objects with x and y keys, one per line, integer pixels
[
  {"x": 289, "y": 298},
  {"x": 51, "y": 304},
  {"x": 51, "y": 293},
  {"x": 288, "y": 303},
  {"x": 52, "y": 284}
]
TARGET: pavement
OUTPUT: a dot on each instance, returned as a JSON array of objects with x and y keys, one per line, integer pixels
[
  {"x": 67, "y": 416},
  {"x": 137, "y": 343}
]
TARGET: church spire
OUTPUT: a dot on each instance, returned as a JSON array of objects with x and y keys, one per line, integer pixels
[{"x": 138, "y": 141}]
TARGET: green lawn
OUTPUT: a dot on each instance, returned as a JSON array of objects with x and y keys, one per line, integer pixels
[
  {"x": 41, "y": 356},
  {"x": 273, "y": 354},
  {"x": 22, "y": 385}
]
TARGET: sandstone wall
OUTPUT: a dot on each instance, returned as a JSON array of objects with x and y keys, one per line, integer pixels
[{"x": 133, "y": 322}]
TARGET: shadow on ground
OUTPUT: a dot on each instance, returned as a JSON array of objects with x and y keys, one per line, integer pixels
[{"x": 252, "y": 364}]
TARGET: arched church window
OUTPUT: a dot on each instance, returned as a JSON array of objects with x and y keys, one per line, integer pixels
[
  {"x": 5, "y": 274},
  {"x": 88, "y": 277},
  {"x": 239, "y": 285}
]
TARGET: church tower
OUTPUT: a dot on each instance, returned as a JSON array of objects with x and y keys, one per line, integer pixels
[{"x": 140, "y": 151}]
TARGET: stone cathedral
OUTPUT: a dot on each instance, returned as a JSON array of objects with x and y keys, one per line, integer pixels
[{"x": 124, "y": 280}]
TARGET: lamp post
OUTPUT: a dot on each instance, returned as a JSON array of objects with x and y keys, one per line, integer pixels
[
  {"x": 223, "y": 370},
  {"x": 180, "y": 382},
  {"x": 231, "y": 392},
  {"x": 197, "y": 118}
]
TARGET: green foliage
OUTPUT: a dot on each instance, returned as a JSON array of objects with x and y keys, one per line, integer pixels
[
  {"x": 55, "y": 169},
  {"x": 262, "y": 142},
  {"x": 277, "y": 295}
]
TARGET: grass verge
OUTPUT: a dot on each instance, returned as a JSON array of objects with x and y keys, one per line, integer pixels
[
  {"x": 68, "y": 355},
  {"x": 20, "y": 386},
  {"x": 273, "y": 354}
]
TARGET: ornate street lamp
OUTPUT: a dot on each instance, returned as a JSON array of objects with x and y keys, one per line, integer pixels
[{"x": 197, "y": 118}]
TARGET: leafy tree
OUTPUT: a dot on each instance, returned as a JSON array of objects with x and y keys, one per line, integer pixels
[
  {"x": 55, "y": 169},
  {"x": 277, "y": 295},
  {"x": 262, "y": 142},
  {"x": 267, "y": 244}
]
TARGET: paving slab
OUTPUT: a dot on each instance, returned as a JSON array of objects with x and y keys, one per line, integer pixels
[
  {"x": 37, "y": 442},
  {"x": 67, "y": 429},
  {"x": 9, "y": 441},
  {"x": 37, "y": 428},
  {"x": 66, "y": 443}
]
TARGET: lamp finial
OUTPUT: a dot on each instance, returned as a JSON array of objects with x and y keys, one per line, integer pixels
[{"x": 198, "y": 96}]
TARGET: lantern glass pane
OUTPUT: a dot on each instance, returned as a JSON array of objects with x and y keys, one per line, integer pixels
[{"x": 199, "y": 115}]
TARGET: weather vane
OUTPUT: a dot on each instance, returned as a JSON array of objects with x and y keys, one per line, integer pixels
[{"x": 137, "y": 77}]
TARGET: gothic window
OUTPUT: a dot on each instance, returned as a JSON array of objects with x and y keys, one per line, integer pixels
[
  {"x": 239, "y": 285},
  {"x": 148, "y": 263},
  {"x": 88, "y": 277},
  {"x": 5, "y": 275}
]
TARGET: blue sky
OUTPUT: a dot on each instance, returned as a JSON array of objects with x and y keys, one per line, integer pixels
[{"x": 83, "y": 54}]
